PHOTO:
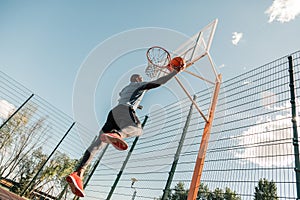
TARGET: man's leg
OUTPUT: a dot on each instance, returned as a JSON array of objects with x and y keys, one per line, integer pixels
[
  {"x": 96, "y": 145},
  {"x": 89, "y": 154},
  {"x": 75, "y": 178},
  {"x": 114, "y": 138},
  {"x": 111, "y": 128},
  {"x": 127, "y": 121},
  {"x": 128, "y": 126}
]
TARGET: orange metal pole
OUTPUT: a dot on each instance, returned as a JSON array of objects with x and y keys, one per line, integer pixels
[{"x": 195, "y": 183}]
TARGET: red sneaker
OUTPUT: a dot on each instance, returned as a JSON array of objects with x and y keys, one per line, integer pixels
[
  {"x": 75, "y": 183},
  {"x": 114, "y": 139}
]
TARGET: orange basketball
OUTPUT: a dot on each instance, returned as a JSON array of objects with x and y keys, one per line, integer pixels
[{"x": 177, "y": 62}]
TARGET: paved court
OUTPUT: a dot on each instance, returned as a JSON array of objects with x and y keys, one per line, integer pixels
[{"x": 6, "y": 195}]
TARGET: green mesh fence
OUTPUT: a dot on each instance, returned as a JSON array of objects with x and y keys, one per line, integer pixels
[{"x": 39, "y": 144}]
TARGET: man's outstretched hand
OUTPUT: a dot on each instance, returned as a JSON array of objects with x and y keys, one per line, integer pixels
[{"x": 179, "y": 68}]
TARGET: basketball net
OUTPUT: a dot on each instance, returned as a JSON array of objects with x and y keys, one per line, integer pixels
[{"x": 158, "y": 60}]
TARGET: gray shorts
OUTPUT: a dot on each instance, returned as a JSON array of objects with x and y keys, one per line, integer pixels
[{"x": 123, "y": 119}]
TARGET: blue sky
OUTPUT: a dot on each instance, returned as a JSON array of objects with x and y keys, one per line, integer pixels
[{"x": 45, "y": 43}]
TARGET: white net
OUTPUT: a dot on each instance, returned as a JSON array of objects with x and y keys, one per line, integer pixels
[
  {"x": 158, "y": 59},
  {"x": 153, "y": 71}
]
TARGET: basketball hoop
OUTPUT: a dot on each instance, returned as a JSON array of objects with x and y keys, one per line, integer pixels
[
  {"x": 158, "y": 60},
  {"x": 194, "y": 49}
]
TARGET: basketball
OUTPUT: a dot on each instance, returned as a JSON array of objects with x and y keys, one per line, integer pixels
[{"x": 177, "y": 62}]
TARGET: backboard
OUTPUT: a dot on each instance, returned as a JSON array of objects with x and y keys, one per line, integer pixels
[
  {"x": 195, "y": 48},
  {"x": 198, "y": 45}
]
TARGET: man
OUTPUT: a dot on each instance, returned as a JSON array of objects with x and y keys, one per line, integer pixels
[{"x": 121, "y": 122}]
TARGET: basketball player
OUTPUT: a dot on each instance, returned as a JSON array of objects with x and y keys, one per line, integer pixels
[{"x": 121, "y": 122}]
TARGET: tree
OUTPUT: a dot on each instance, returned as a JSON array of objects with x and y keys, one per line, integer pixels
[
  {"x": 217, "y": 194},
  {"x": 265, "y": 190},
  {"x": 203, "y": 192},
  {"x": 59, "y": 167},
  {"x": 180, "y": 193},
  {"x": 19, "y": 138},
  {"x": 53, "y": 174},
  {"x": 21, "y": 153},
  {"x": 27, "y": 169},
  {"x": 230, "y": 195}
]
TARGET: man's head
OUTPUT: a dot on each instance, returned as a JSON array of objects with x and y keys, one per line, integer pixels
[{"x": 136, "y": 78}]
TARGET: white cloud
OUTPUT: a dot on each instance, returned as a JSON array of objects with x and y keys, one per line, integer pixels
[
  {"x": 236, "y": 37},
  {"x": 268, "y": 99},
  {"x": 222, "y": 66},
  {"x": 270, "y": 137},
  {"x": 283, "y": 10},
  {"x": 264, "y": 143},
  {"x": 6, "y": 109}
]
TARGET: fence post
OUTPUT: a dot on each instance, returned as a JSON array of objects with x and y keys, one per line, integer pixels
[
  {"x": 178, "y": 151},
  {"x": 41, "y": 168},
  {"x": 125, "y": 163},
  {"x": 13, "y": 114},
  {"x": 295, "y": 131}
]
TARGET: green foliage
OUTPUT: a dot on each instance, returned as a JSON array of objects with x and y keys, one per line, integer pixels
[
  {"x": 230, "y": 195},
  {"x": 22, "y": 157},
  {"x": 60, "y": 166},
  {"x": 17, "y": 143},
  {"x": 28, "y": 169},
  {"x": 266, "y": 190},
  {"x": 203, "y": 191},
  {"x": 13, "y": 128},
  {"x": 180, "y": 193}
]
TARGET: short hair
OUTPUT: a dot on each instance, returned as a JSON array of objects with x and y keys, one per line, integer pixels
[{"x": 134, "y": 77}]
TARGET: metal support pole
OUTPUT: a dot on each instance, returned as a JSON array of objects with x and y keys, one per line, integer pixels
[
  {"x": 295, "y": 131},
  {"x": 41, "y": 168},
  {"x": 190, "y": 97},
  {"x": 11, "y": 116},
  {"x": 124, "y": 163},
  {"x": 176, "y": 157},
  {"x": 194, "y": 187}
]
